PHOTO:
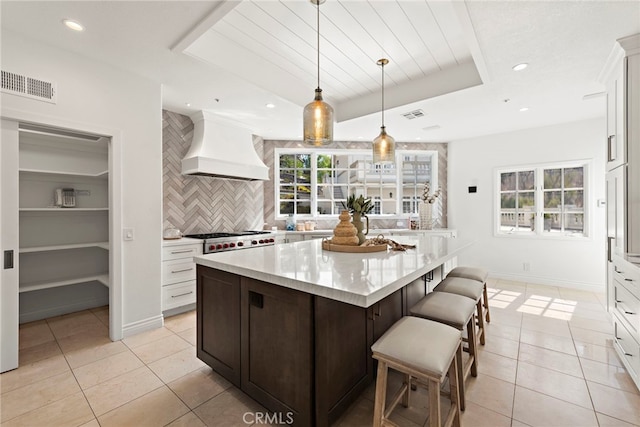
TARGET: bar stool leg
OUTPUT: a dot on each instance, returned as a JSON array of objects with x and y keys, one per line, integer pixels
[
  {"x": 456, "y": 392},
  {"x": 460, "y": 368},
  {"x": 381, "y": 394},
  {"x": 406, "y": 396},
  {"x": 434, "y": 403},
  {"x": 486, "y": 303},
  {"x": 473, "y": 347},
  {"x": 480, "y": 322}
]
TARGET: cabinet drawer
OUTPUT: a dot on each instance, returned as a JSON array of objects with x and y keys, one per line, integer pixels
[
  {"x": 181, "y": 251},
  {"x": 627, "y": 274},
  {"x": 628, "y": 349},
  {"x": 627, "y": 307},
  {"x": 178, "y": 295},
  {"x": 178, "y": 271}
]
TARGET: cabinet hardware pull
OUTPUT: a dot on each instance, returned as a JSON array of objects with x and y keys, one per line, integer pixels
[
  {"x": 256, "y": 299},
  {"x": 628, "y": 312},
  {"x": 628, "y": 354},
  {"x": 182, "y": 252},
  {"x": 617, "y": 271},
  {"x": 182, "y": 271},
  {"x": 618, "y": 302},
  {"x": 181, "y": 295},
  {"x": 628, "y": 280}
]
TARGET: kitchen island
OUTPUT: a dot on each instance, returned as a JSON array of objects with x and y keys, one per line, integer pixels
[{"x": 292, "y": 325}]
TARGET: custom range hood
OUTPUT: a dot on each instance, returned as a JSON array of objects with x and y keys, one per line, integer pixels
[{"x": 222, "y": 150}]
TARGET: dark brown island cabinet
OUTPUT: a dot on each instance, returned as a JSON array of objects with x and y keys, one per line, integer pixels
[{"x": 304, "y": 357}]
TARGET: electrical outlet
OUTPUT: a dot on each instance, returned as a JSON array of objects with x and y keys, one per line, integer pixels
[{"x": 526, "y": 266}]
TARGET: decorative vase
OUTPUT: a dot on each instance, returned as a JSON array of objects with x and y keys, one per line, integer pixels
[
  {"x": 345, "y": 233},
  {"x": 357, "y": 223},
  {"x": 426, "y": 216}
]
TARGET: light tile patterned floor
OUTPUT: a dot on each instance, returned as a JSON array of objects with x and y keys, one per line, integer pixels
[{"x": 548, "y": 361}]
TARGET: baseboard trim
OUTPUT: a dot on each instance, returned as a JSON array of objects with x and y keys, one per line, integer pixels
[
  {"x": 540, "y": 280},
  {"x": 143, "y": 325}
]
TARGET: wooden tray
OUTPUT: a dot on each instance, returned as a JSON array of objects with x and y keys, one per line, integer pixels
[{"x": 328, "y": 246}]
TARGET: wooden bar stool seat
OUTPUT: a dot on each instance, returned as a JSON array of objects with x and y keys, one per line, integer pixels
[
  {"x": 479, "y": 274},
  {"x": 467, "y": 288},
  {"x": 424, "y": 350},
  {"x": 459, "y": 312}
]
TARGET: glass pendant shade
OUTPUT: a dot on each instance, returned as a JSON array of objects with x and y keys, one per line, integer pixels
[
  {"x": 384, "y": 148},
  {"x": 318, "y": 121}
]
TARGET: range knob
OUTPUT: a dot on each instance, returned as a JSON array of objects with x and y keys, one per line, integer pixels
[
  {"x": 212, "y": 247},
  {"x": 260, "y": 241},
  {"x": 240, "y": 244},
  {"x": 232, "y": 245},
  {"x": 271, "y": 240},
  {"x": 225, "y": 245},
  {"x": 219, "y": 246},
  {"x": 253, "y": 242}
]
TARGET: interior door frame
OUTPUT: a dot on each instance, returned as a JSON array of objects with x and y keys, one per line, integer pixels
[
  {"x": 9, "y": 332},
  {"x": 115, "y": 201}
]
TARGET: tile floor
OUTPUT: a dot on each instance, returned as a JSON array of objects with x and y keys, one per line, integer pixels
[{"x": 548, "y": 361}]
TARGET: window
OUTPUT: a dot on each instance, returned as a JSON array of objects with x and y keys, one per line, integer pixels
[
  {"x": 542, "y": 200},
  {"x": 318, "y": 182}
]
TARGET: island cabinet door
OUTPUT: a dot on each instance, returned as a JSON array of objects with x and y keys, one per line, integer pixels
[
  {"x": 277, "y": 350},
  {"x": 343, "y": 357},
  {"x": 218, "y": 322}
]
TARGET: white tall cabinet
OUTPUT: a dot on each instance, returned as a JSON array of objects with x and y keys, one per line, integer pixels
[{"x": 621, "y": 76}]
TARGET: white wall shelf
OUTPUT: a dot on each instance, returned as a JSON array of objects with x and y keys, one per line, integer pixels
[
  {"x": 99, "y": 174},
  {"x": 28, "y": 287},
  {"x": 101, "y": 245},
  {"x": 62, "y": 209}
]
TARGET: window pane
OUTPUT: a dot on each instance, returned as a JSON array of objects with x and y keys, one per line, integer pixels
[
  {"x": 574, "y": 222},
  {"x": 286, "y": 207},
  {"x": 287, "y": 175},
  {"x": 304, "y": 176},
  {"x": 574, "y": 177},
  {"x": 553, "y": 200},
  {"x": 287, "y": 161},
  {"x": 324, "y": 208},
  {"x": 508, "y": 201},
  {"x": 552, "y": 178},
  {"x": 303, "y": 207},
  {"x": 303, "y": 161},
  {"x": 507, "y": 220},
  {"x": 574, "y": 199},
  {"x": 552, "y": 222},
  {"x": 526, "y": 180},
  {"x": 526, "y": 200},
  {"x": 303, "y": 192},
  {"x": 508, "y": 181}
]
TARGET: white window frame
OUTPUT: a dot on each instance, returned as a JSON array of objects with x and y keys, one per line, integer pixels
[
  {"x": 538, "y": 232},
  {"x": 314, "y": 184}
]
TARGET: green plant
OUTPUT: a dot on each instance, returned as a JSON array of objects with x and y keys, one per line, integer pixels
[{"x": 359, "y": 204}]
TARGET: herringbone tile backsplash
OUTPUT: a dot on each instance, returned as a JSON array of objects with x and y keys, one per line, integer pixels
[{"x": 196, "y": 204}]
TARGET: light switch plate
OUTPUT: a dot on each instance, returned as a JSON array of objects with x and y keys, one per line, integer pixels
[{"x": 127, "y": 233}]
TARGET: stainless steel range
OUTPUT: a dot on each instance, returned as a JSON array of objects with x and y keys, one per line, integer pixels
[{"x": 219, "y": 242}]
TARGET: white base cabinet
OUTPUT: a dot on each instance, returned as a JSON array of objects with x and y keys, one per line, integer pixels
[{"x": 179, "y": 274}]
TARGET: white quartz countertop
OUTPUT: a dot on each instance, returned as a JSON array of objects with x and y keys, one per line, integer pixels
[
  {"x": 181, "y": 241},
  {"x": 354, "y": 278},
  {"x": 372, "y": 231}
]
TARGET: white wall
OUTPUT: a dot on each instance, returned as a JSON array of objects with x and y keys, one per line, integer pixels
[
  {"x": 571, "y": 263},
  {"x": 92, "y": 96}
]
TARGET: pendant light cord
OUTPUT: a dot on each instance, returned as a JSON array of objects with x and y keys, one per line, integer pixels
[
  {"x": 318, "y": 34},
  {"x": 382, "y": 66}
]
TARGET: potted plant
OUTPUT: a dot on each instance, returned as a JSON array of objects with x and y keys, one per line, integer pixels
[{"x": 359, "y": 207}]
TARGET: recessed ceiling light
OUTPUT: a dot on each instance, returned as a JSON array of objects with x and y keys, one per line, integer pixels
[
  {"x": 523, "y": 109},
  {"x": 73, "y": 25},
  {"x": 418, "y": 138},
  {"x": 520, "y": 67},
  {"x": 270, "y": 105},
  {"x": 187, "y": 104},
  {"x": 360, "y": 137}
]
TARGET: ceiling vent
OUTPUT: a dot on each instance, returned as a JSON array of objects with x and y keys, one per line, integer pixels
[
  {"x": 18, "y": 84},
  {"x": 413, "y": 114}
]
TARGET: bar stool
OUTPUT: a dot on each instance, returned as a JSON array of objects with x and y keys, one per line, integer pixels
[
  {"x": 479, "y": 274},
  {"x": 459, "y": 312},
  {"x": 467, "y": 288},
  {"x": 422, "y": 349}
]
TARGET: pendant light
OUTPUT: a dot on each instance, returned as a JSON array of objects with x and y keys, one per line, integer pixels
[
  {"x": 384, "y": 146},
  {"x": 318, "y": 115}
]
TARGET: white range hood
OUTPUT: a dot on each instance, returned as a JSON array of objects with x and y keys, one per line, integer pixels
[{"x": 222, "y": 150}]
